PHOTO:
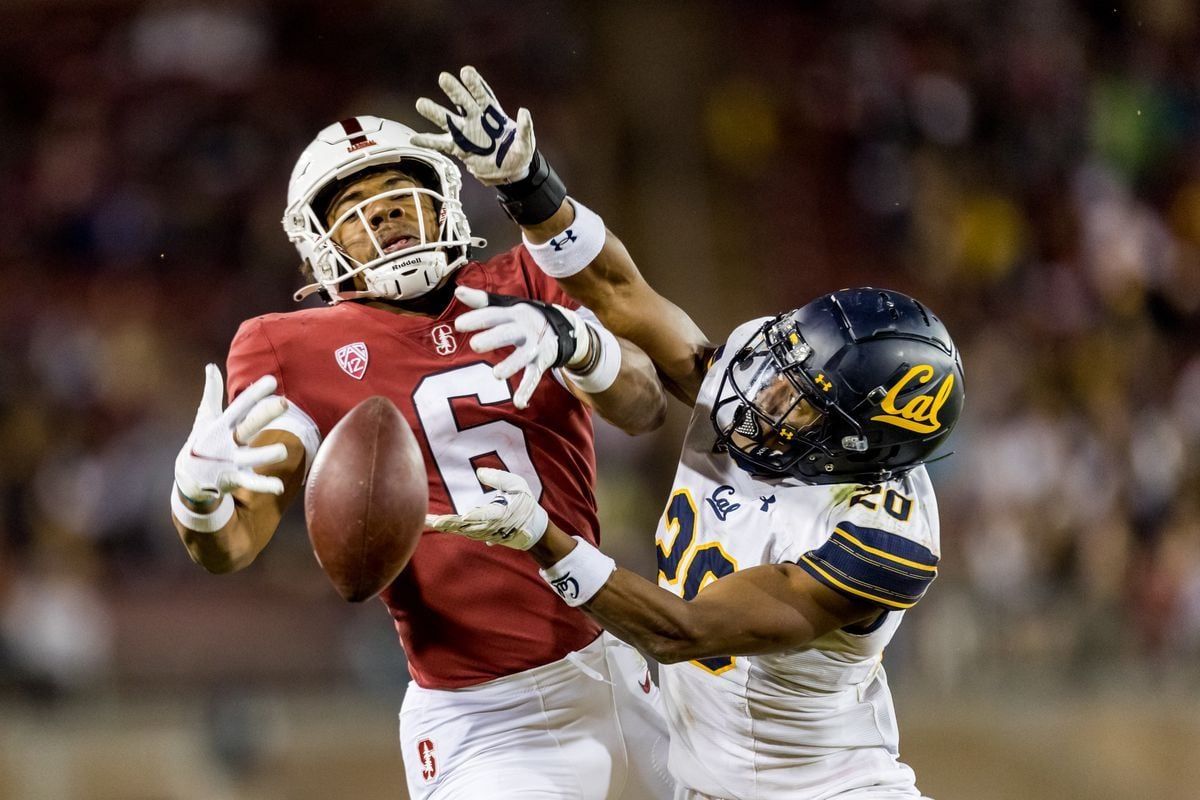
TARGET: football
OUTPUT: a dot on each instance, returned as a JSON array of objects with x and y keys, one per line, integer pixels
[{"x": 366, "y": 498}]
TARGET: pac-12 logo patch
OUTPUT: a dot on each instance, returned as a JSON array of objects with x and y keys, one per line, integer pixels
[
  {"x": 443, "y": 340},
  {"x": 352, "y": 358},
  {"x": 428, "y": 760}
]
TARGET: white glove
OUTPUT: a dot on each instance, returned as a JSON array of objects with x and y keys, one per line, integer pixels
[
  {"x": 492, "y": 147},
  {"x": 544, "y": 335},
  {"x": 509, "y": 516},
  {"x": 214, "y": 461}
]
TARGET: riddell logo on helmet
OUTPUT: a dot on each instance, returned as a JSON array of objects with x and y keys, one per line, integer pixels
[
  {"x": 360, "y": 145},
  {"x": 920, "y": 413}
]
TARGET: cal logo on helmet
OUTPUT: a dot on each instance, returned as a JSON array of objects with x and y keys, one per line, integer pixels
[{"x": 920, "y": 413}]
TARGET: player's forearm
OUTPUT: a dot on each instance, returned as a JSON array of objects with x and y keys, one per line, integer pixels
[
  {"x": 633, "y": 609},
  {"x": 256, "y": 515},
  {"x": 650, "y": 618},
  {"x": 226, "y": 550},
  {"x": 593, "y": 266},
  {"x": 557, "y": 223},
  {"x": 636, "y": 402},
  {"x": 613, "y": 288}
]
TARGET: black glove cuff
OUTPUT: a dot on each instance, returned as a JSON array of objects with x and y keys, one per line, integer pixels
[
  {"x": 534, "y": 198},
  {"x": 562, "y": 327}
]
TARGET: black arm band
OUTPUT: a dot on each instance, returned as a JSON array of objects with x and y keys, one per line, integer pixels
[{"x": 534, "y": 198}]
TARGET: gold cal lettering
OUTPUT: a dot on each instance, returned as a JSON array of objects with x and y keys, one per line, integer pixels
[{"x": 920, "y": 414}]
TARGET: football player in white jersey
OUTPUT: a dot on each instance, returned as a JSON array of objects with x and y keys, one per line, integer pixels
[{"x": 801, "y": 526}]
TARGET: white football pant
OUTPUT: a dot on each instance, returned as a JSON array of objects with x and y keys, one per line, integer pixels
[{"x": 587, "y": 727}]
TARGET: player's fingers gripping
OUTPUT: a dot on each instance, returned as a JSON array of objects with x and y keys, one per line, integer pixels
[
  {"x": 260, "y": 456},
  {"x": 261, "y": 415},
  {"x": 458, "y": 94},
  {"x": 442, "y": 142},
  {"x": 261, "y": 389},
  {"x": 529, "y": 383},
  {"x": 502, "y": 480},
  {"x": 478, "y": 87},
  {"x": 436, "y": 113},
  {"x": 252, "y": 481},
  {"x": 525, "y": 357},
  {"x": 482, "y": 318},
  {"x": 446, "y": 523},
  {"x": 526, "y": 143},
  {"x": 500, "y": 336},
  {"x": 214, "y": 394},
  {"x": 475, "y": 298}
]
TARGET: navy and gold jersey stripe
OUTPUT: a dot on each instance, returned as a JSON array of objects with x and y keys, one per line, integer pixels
[{"x": 872, "y": 564}]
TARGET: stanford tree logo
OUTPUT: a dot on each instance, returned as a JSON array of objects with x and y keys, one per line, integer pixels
[
  {"x": 443, "y": 340},
  {"x": 428, "y": 761}
]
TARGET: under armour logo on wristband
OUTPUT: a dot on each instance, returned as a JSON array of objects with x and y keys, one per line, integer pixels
[
  {"x": 567, "y": 587},
  {"x": 568, "y": 237}
]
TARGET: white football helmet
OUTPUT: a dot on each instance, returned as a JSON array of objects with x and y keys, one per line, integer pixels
[{"x": 350, "y": 146}]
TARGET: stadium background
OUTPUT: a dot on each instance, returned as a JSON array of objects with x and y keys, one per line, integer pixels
[{"x": 1030, "y": 169}]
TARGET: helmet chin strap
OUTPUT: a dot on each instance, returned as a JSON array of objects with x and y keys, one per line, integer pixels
[{"x": 385, "y": 281}]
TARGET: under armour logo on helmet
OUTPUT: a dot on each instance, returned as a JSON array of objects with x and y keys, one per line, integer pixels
[{"x": 568, "y": 237}]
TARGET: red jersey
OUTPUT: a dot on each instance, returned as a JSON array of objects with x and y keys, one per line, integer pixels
[{"x": 465, "y": 613}]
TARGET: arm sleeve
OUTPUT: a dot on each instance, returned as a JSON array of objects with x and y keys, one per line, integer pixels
[
  {"x": 251, "y": 356},
  {"x": 542, "y": 286},
  {"x": 871, "y": 564}
]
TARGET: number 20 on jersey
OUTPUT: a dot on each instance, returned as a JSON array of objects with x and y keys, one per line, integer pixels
[{"x": 696, "y": 564}]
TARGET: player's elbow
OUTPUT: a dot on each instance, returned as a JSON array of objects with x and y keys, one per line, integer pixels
[
  {"x": 221, "y": 563},
  {"x": 676, "y": 651},
  {"x": 649, "y": 415},
  {"x": 642, "y": 406},
  {"x": 679, "y": 641},
  {"x": 226, "y": 565},
  {"x": 216, "y": 558},
  {"x": 667, "y": 652}
]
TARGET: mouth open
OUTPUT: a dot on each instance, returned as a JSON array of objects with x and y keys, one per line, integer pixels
[{"x": 395, "y": 243}]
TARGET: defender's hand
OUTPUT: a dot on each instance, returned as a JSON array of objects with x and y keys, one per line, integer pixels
[
  {"x": 545, "y": 336},
  {"x": 493, "y": 147},
  {"x": 508, "y": 516},
  {"x": 215, "y": 460}
]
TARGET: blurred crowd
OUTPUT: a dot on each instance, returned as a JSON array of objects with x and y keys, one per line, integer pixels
[{"x": 1029, "y": 169}]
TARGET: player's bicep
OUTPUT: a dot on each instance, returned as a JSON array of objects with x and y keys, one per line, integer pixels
[
  {"x": 629, "y": 307},
  {"x": 769, "y": 609}
]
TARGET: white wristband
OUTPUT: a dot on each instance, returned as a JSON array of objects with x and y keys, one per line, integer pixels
[
  {"x": 607, "y": 363},
  {"x": 580, "y": 574},
  {"x": 574, "y": 248},
  {"x": 203, "y": 523}
]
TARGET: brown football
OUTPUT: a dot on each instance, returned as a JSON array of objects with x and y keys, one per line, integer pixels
[{"x": 366, "y": 499}]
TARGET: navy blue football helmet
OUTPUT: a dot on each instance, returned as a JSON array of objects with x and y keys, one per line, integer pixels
[{"x": 858, "y": 386}]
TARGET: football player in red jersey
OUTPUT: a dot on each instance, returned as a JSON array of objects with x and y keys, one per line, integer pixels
[{"x": 507, "y": 700}]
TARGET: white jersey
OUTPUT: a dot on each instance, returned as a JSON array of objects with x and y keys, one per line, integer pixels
[{"x": 812, "y": 723}]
